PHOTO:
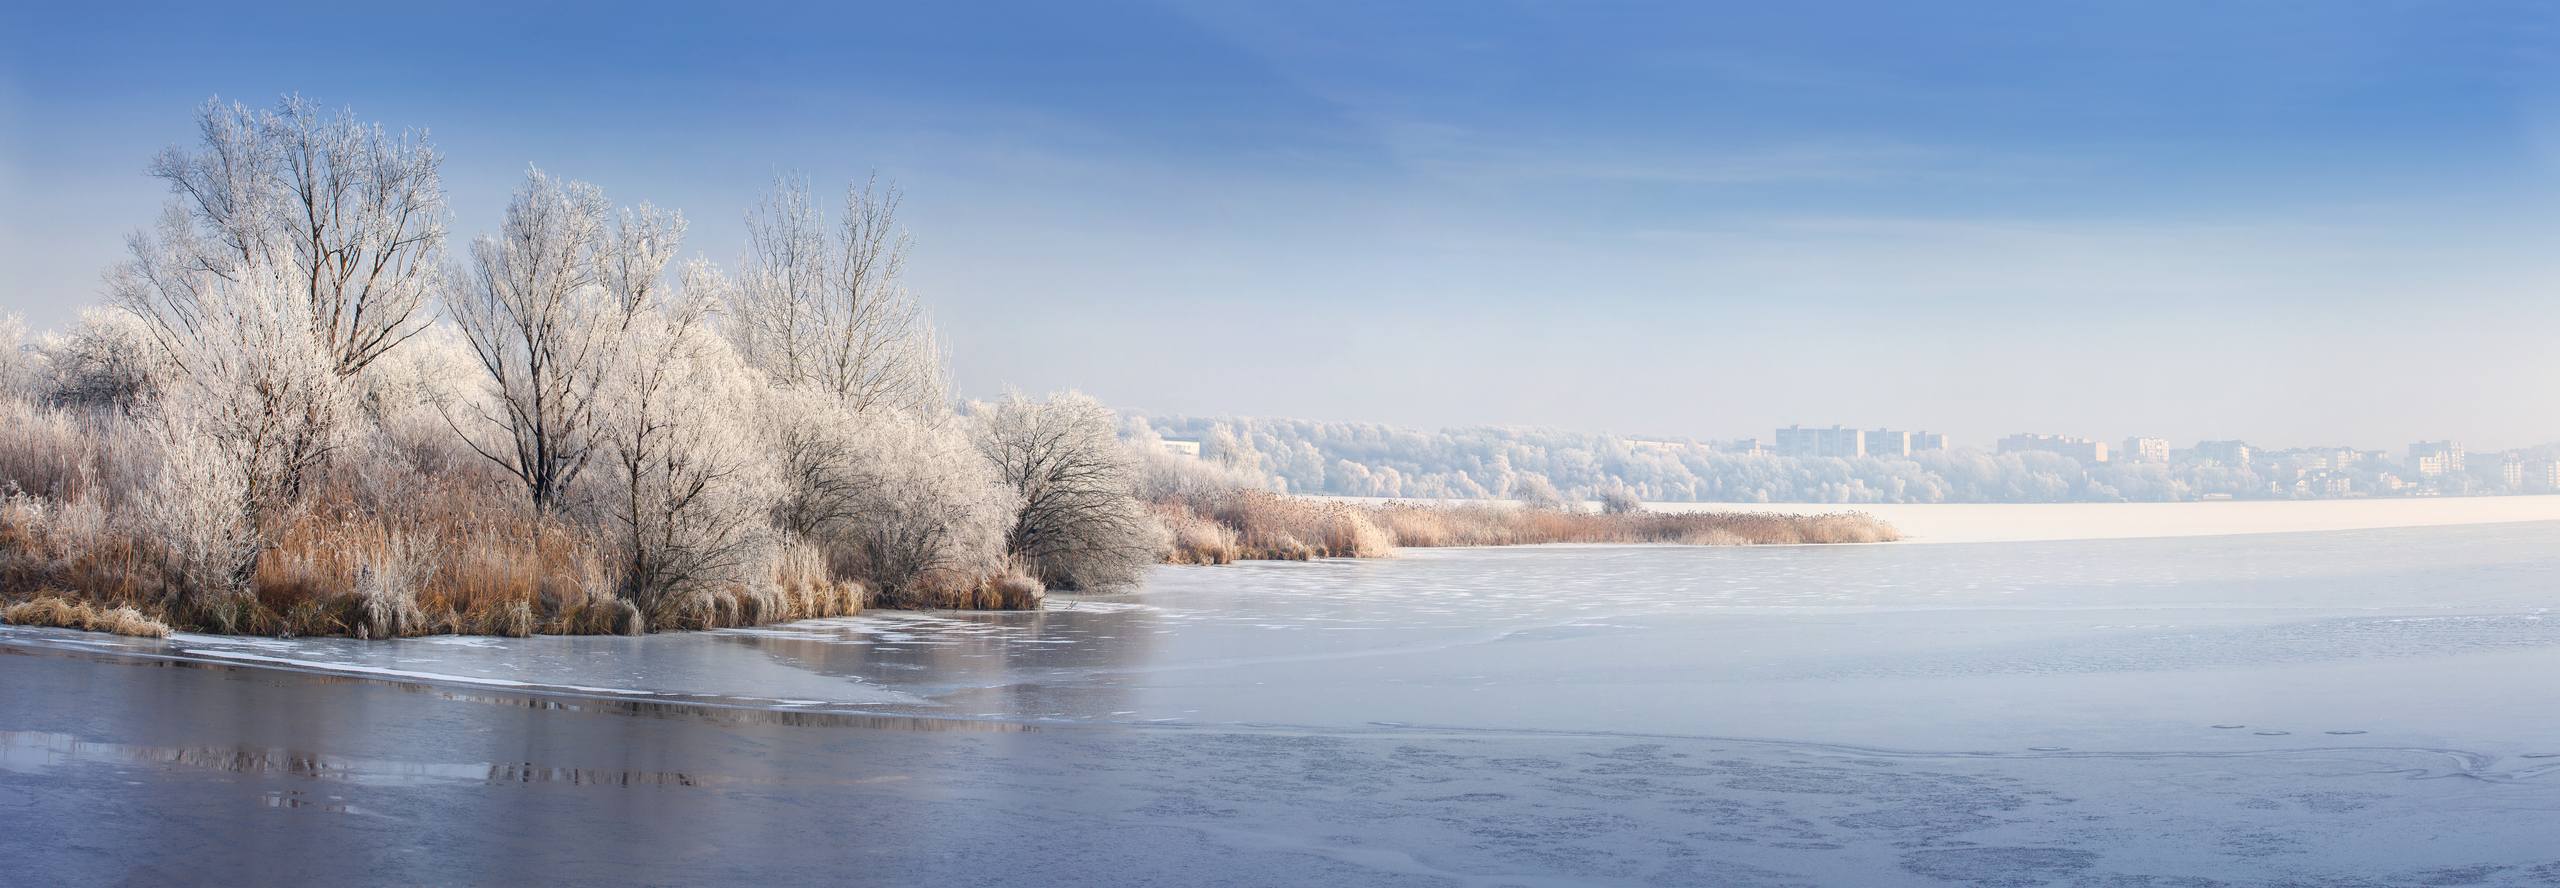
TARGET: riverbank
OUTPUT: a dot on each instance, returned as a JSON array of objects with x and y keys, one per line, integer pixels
[{"x": 314, "y": 586}]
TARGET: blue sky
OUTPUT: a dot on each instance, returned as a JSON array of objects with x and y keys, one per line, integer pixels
[{"x": 2292, "y": 222}]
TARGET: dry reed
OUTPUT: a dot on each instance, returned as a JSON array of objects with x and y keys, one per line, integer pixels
[
  {"x": 450, "y": 553},
  {"x": 55, "y": 610},
  {"x": 1253, "y": 524},
  {"x": 1011, "y": 589}
]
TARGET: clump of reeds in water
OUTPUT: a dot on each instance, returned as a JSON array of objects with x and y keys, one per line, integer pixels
[
  {"x": 1011, "y": 590},
  {"x": 58, "y": 611}
]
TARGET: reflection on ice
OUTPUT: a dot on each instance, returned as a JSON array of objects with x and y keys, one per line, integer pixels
[{"x": 35, "y": 751}]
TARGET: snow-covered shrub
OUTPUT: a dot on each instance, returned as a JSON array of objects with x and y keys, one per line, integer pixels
[
  {"x": 201, "y": 508},
  {"x": 21, "y": 364},
  {"x": 45, "y": 451},
  {"x": 1618, "y": 499},
  {"x": 931, "y": 515},
  {"x": 686, "y": 492},
  {"x": 1077, "y": 522},
  {"x": 108, "y": 359},
  {"x": 255, "y": 407},
  {"x": 815, "y": 444},
  {"x": 1534, "y": 491},
  {"x": 406, "y": 395},
  {"x": 1195, "y": 482},
  {"x": 257, "y": 382}
]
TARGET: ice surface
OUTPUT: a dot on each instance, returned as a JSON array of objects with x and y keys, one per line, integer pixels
[
  {"x": 2015, "y": 522},
  {"x": 2306, "y": 708},
  {"x": 2408, "y": 635}
]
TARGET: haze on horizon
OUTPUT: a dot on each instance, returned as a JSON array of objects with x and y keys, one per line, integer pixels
[{"x": 2293, "y": 224}]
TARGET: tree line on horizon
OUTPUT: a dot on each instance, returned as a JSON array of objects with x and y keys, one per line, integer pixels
[{"x": 1490, "y": 462}]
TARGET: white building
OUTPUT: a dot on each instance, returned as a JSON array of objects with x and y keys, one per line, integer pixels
[
  {"x": 2146, "y": 450},
  {"x": 2448, "y": 455},
  {"x": 1836, "y": 441},
  {"x": 2235, "y": 454}
]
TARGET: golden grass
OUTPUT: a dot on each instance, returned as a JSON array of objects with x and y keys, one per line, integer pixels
[
  {"x": 73, "y": 548},
  {"x": 1012, "y": 589},
  {"x": 1252, "y": 524},
  {"x": 1195, "y": 539},
  {"x": 452, "y": 554},
  {"x": 1490, "y": 525},
  {"x": 56, "y": 610},
  {"x": 1270, "y": 526}
]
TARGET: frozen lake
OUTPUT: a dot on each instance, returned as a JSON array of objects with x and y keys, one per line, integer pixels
[
  {"x": 2020, "y": 522},
  {"x": 2338, "y": 707},
  {"x": 2010, "y": 522}
]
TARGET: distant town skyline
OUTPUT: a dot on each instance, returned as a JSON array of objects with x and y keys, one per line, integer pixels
[
  {"x": 1835, "y": 464},
  {"x": 2304, "y": 225}
]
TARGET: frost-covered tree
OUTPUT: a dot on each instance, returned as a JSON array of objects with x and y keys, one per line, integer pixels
[
  {"x": 1167, "y": 477},
  {"x": 254, "y": 407},
  {"x": 20, "y": 367},
  {"x": 814, "y": 443},
  {"x": 198, "y": 504},
  {"x": 687, "y": 490},
  {"x": 356, "y": 216},
  {"x": 1376, "y": 460},
  {"x": 108, "y": 359},
  {"x": 408, "y": 401},
  {"x": 298, "y": 249},
  {"x": 1077, "y": 522},
  {"x": 930, "y": 510},
  {"x": 825, "y": 308},
  {"x": 1536, "y": 492},
  {"x": 1222, "y": 445},
  {"x": 548, "y": 302},
  {"x": 256, "y": 378},
  {"x": 1616, "y": 498},
  {"x": 859, "y": 427}
]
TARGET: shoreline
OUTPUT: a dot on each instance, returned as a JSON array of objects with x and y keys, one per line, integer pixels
[
  {"x": 1232, "y": 526},
  {"x": 1957, "y": 523},
  {"x": 2047, "y": 522},
  {"x": 2053, "y": 522}
]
